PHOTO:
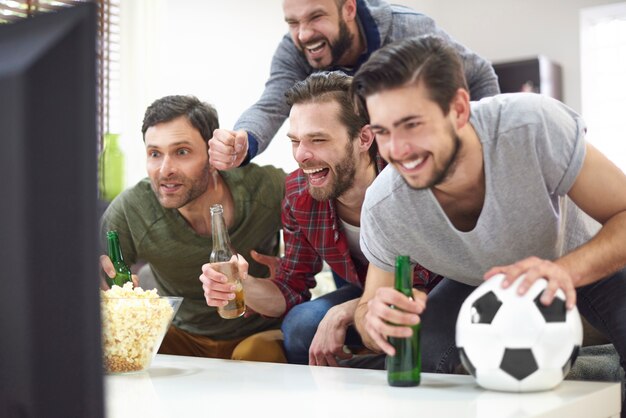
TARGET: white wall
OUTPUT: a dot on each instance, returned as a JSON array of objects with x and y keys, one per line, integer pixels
[
  {"x": 503, "y": 30},
  {"x": 220, "y": 51}
]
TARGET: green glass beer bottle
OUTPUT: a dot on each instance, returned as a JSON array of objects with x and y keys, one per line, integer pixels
[
  {"x": 404, "y": 369},
  {"x": 122, "y": 272},
  {"x": 224, "y": 259}
]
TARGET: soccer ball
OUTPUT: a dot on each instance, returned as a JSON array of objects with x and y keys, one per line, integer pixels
[{"x": 514, "y": 343}]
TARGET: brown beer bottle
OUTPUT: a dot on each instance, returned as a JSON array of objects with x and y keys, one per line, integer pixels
[{"x": 224, "y": 259}]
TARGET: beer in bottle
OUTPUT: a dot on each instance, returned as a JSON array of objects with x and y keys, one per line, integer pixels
[
  {"x": 224, "y": 259},
  {"x": 122, "y": 272},
  {"x": 405, "y": 367}
]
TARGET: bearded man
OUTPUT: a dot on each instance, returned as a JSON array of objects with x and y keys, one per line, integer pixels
[
  {"x": 336, "y": 152},
  {"x": 331, "y": 35},
  {"x": 506, "y": 185},
  {"x": 165, "y": 221}
]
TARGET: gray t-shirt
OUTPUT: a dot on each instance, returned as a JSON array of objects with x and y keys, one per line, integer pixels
[{"x": 533, "y": 148}]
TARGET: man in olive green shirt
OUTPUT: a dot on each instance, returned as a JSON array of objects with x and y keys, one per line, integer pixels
[{"x": 164, "y": 220}]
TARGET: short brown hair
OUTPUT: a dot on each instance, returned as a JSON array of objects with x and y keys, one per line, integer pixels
[
  {"x": 326, "y": 86},
  {"x": 427, "y": 59},
  {"x": 202, "y": 116}
]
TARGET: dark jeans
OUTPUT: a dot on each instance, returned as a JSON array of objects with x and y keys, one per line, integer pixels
[
  {"x": 300, "y": 324},
  {"x": 439, "y": 352},
  {"x": 603, "y": 304}
]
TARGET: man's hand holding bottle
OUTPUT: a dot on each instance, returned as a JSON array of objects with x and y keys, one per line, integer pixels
[
  {"x": 107, "y": 266},
  {"x": 116, "y": 270},
  {"x": 217, "y": 290}
]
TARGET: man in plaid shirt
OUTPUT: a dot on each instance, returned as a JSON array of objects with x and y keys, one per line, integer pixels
[{"x": 321, "y": 213}]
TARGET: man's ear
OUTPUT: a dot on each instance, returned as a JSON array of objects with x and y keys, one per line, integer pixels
[
  {"x": 348, "y": 10},
  {"x": 366, "y": 138},
  {"x": 460, "y": 108}
]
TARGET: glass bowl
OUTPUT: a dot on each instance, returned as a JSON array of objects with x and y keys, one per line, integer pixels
[{"x": 133, "y": 329}]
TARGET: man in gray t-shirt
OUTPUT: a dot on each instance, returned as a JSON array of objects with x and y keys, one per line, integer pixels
[
  {"x": 530, "y": 163},
  {"x": 505, "y": 185}
]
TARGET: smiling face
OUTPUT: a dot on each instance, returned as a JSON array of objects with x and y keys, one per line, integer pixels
[
  {"x": 322, "y": 148},
  {"x": 319, "y": 31},
  {"x": 177, "y": 162},
  {"x": 414, "y": 135}
]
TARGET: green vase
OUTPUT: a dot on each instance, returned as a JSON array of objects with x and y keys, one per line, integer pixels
[{"x": 111, "y": 168}]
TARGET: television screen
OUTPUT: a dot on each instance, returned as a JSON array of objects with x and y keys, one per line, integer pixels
[{"x": 50, "y": 353}]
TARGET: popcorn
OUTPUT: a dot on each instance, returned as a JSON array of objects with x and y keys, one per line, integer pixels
[{"x": 134, "y": 322}]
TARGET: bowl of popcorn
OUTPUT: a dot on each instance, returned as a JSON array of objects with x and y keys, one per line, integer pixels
[{"x": 134, "y": 322}]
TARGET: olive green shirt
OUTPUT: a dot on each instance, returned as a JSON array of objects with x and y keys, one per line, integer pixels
[{"x": 175, "y": 252}]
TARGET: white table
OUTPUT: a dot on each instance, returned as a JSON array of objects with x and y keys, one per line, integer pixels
[{"x": 180, "y": 387}]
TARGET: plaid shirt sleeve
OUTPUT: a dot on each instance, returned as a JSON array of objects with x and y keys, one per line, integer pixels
[
  {"x": 425, "y": 279},
  {"x": 297, "y": 269}
]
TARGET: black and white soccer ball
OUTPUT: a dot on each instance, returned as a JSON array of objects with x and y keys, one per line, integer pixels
[{"x": 514, "y": 343}]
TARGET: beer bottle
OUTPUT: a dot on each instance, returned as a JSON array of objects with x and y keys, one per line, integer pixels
[
  {"x": 122, "y": 272},
  {"x": 224, "y": 259},
  {"x": 405, "y": 367}
]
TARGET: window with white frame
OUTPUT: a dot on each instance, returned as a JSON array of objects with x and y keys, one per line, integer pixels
[{"x": 603, "y": 70}]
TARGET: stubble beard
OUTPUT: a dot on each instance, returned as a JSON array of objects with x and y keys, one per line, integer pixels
[
  {"x": 446, "y": 171},
  {"x": 198, "y": 187},
  {"x": 342, "y": 45},
  {"x": 338, "y": 48},
  {"x": 345, "y": 172}
]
